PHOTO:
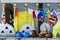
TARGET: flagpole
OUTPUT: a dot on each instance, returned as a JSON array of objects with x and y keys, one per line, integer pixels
[
  {"x": 26, "y": 6},
  {"x": 26, "y": 9},
  {"x": 48, "y": 7},
  {"x": 58, "y": 10},
  {"x": 37, "y": 18},
  {"x": 3, "y": 8},
  {"x": 37, "y": 6},
  {"x": 14, "y": 9},
  {"x": 59, "y": 7},
  {"x": 48, "y": 11}
]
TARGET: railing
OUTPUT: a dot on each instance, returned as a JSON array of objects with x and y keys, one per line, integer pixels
[{"x": 29, "y": 38}]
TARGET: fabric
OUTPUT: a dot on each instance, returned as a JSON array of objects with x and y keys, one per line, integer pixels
[
  {"x": 34, "y": 18},
  {"x": 45, "y": 26},
  {"x": 30, "y": 17},
  {"x": 56, "y": 29},
  {"x": 58, "y": 15},
  {"x": 39, "y": 15},
  {"x": 23, "y": 18},
  {"x": 16, "y": 21},
  {"x": 8, "y": 31},
  {"x": 35, "y": 23},
  {"x": 52, "y": 20},
  {"x": 30, "y": 11},
  {"x": 40, "y": 18},
  {"x": 37, "y": 12},
  {"x": 34, "y": 15}
]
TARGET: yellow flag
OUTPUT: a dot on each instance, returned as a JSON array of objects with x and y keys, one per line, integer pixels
[
  {"x": 30, "y": 19},
  {"x": 56, "y": 29},
  {"x": 16, "y": 21},
  {"x": 23, "y": 18}
]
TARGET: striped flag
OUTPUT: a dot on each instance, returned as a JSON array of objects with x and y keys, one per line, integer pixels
[{"x": 51, "y": 21}]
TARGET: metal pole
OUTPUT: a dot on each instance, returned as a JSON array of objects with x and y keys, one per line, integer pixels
[
  {"x": 14, "y": 9},
  {"x": 59, "y": 7},
  {"x": 37, "y": 18},
  {"x": 48, "y": 11},
  {"x": 26, "y": 6}
]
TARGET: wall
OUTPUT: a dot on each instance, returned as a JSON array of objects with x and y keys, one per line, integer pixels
[{"x": 0, "y": 11}]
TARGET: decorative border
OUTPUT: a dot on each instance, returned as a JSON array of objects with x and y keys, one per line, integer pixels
[{"x": 30, "y": 1}]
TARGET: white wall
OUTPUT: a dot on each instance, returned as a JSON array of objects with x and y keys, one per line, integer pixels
[
  {"x": 29, "y": 1},
  {"x": 0, "y": 11}
]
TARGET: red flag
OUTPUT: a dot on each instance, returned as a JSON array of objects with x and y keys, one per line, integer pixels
[{"x": 34, "y": 16}]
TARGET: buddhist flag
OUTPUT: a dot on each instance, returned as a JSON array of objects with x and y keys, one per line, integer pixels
[
  {"x": 22, "y": 19},
  {"x": 56, "y": 29},
  {"x": 34, "y": 18},
  {"x": 30, "y": 17},
  {"x": 34, "y": 15},
  {"x": 16, "y": 20}
]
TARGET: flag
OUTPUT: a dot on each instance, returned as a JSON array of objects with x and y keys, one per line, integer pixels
[
  {"x": 24, "y": 17},
  {"x": 53, "y": 17},
  {"x": 16, "y": 20},
  {"x": 56, "y": 29},
  {"x": 34, "y": 18},
  {"x": 34, "y": 15},
  {"x": 31, "y": 17},
  {"x": 51, "y": 21},
  {"x": 3, "y": 18},
  {"x": 37, "y": 12}
]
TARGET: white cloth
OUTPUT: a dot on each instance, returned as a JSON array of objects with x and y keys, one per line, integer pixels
[
  {"x": 27, "y": 30},
  {"x": 37, "y": 12},
  {"x": 31, "y": 10},
  {"x": 45, "y": 25},
  {"x": 58, "y": 15},
  {"x": 7, "y": 31}
]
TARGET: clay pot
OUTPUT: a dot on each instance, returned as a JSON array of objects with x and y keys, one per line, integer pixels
[
  {"x": 49, "y": 35},
  {"x": 33, "y": 33},
  {"x": 42, "y": 35}
]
